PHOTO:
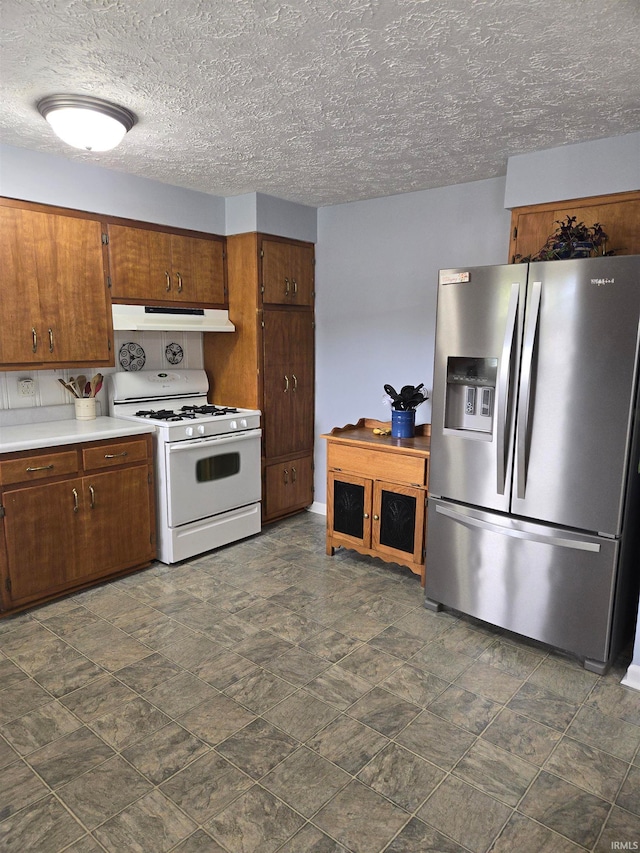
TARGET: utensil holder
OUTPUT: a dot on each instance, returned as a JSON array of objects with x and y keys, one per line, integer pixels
[
  {"x": 403, "y": 424},
  {"x": 85, "y": 409}
]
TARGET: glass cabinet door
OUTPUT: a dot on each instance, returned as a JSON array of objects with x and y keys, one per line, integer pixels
[
  {"x": 349, "y": 509},
  {"x": 398, "y": 515}
]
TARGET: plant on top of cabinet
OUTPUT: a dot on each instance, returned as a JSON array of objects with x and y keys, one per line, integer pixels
[{"x": 571, "y": 239}]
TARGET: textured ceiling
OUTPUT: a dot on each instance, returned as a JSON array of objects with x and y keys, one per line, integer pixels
[{"x": 325, "y": 101}]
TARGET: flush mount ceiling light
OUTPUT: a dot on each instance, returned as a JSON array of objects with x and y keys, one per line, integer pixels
[{"x": 85, "y": 122}]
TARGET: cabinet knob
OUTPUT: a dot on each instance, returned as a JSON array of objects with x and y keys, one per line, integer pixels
[
  {"x": 376, "y": 518},
  {"x": 366, "y": 515}
]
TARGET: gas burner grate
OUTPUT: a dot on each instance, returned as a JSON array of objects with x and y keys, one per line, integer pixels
[
  {"x": 191, "y": 411},
  {"x": 162, "y": 415}
]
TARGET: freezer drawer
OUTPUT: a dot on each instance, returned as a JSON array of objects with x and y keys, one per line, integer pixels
[{"x": 549, "y": 584}]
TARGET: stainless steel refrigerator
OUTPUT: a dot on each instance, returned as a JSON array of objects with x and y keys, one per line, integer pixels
[{"x": 534, "y": 488}]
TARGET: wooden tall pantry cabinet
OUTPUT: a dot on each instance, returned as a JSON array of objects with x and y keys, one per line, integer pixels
[{"x": 268, "y": 364}]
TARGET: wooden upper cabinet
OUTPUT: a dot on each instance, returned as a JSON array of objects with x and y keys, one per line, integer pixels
[
  {"x": 199, "y": 265},
  {"x": 54, "y": 306},
  {"x": 150, "y": 265},
  {"x": 139, "y": 262},
  {"x": 287, "y": 273},
  {"x": 618, "y": 214}
]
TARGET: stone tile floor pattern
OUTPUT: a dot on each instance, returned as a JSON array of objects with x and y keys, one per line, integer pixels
[{"x": 267, "y": 697}]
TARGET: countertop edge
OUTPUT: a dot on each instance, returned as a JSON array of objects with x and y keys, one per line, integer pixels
[{"x": 36, "y": 436}]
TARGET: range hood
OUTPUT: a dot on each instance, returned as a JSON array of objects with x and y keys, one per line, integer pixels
[{"x": 154, "y": 318}]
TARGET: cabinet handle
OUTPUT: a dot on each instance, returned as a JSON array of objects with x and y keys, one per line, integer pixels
[
  {"x": 295, "y": 285},
  {"x": 179, "y": 277},
  {"x": 75, "y": 500},
  {"x": 34, "y": 340},
  {"x": 92, "y": 493},
  {"x": 295, "y": 382},
  {"x": 286, "y": 476},
  {"x": 50, "y": 340},
  {"x": 294, "y": 475},
  {"x": 376, "y": 518},
  {"x": 168, "y": 278},
  {"x": 40, "y": 468},
  {"x": 115, "y": 455},
  {"x": 286, "y": 384},
  {"x": 366, "y": 515},
  {"x": 287, "y": 287}
]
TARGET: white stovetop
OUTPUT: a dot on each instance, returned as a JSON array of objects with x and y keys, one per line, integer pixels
[{"x": 32, "y": 436}]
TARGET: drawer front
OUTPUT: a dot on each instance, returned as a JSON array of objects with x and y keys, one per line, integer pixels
[
  {"x": 32, "y": 467},
  {"x": 378, "y": 464},
  {"x": 114, "y": 453}
]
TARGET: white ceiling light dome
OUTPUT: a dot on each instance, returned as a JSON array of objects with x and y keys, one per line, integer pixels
[{"x": 86, "y": 122}]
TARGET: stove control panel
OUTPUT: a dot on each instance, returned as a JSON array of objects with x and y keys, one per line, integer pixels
[{"x": 197, "y": 430}]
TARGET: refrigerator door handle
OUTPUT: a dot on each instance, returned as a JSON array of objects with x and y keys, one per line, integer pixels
[
  {"x": 503, "y": 388},
  {"x": 471, "y": 521},
  {"x": 526, "y": 379}
]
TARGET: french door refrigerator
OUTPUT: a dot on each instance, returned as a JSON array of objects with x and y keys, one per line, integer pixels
[{"x": 534, "y": 489}]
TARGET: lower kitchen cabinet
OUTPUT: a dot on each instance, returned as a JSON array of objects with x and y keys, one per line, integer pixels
[
  {"x": 377, "y": 493},
  {"x": 74, "y": 515},
  {"x": 288, "y": 486}
]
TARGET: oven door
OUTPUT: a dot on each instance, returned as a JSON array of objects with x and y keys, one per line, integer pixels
[{"x": 211, "y": 475}]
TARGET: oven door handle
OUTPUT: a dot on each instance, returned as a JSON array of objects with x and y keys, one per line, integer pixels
[{"x": 184, "y": 446}]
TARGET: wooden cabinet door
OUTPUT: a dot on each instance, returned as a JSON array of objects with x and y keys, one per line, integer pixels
[
  {"x": 73, "y": 294},
  {"x": 54, "y": 307},
  {"x": 398, "y": 521},
  {"x": 349, "y": 500},
  {"x": 118, "y": 516},
  {"x": 20, "y": 323},
  {"x": 302, "y": 334},
  {"x": 198, "y": 270},
  {"x": 44, "y": 536},
  {"x": 288, "y": 382},
  {"x": 276, "y": 273},
  {"x": 140, "y": 263},
  {"x": 287, "y": 273},
  {"x": 288, "y": 486},
  {"x": 303, "y": 274}
]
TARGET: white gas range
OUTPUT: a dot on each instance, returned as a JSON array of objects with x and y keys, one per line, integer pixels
[{"x": 208, "y": 484}]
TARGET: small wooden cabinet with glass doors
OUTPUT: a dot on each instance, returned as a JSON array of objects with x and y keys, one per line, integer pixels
[{"x": 377, "y": 492}]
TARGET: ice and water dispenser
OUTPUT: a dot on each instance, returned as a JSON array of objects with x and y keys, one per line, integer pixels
[{"x": 471, "y": 391}]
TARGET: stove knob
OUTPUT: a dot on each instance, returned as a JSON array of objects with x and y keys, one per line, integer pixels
[
  {"x": 189, "y": 430},
  {"x": 233, "y": 425},
  {"x": 201, "y": 429},
  {"x": 243, "y": 423}
]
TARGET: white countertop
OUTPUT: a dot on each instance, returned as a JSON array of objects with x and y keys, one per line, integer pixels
[{"x": 31, "y": 436}]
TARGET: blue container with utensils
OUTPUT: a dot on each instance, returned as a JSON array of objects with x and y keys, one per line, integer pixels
[{"x": 403, "y": 424}]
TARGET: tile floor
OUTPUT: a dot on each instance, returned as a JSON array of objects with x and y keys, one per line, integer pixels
[{"x": 266, "y": 697}]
